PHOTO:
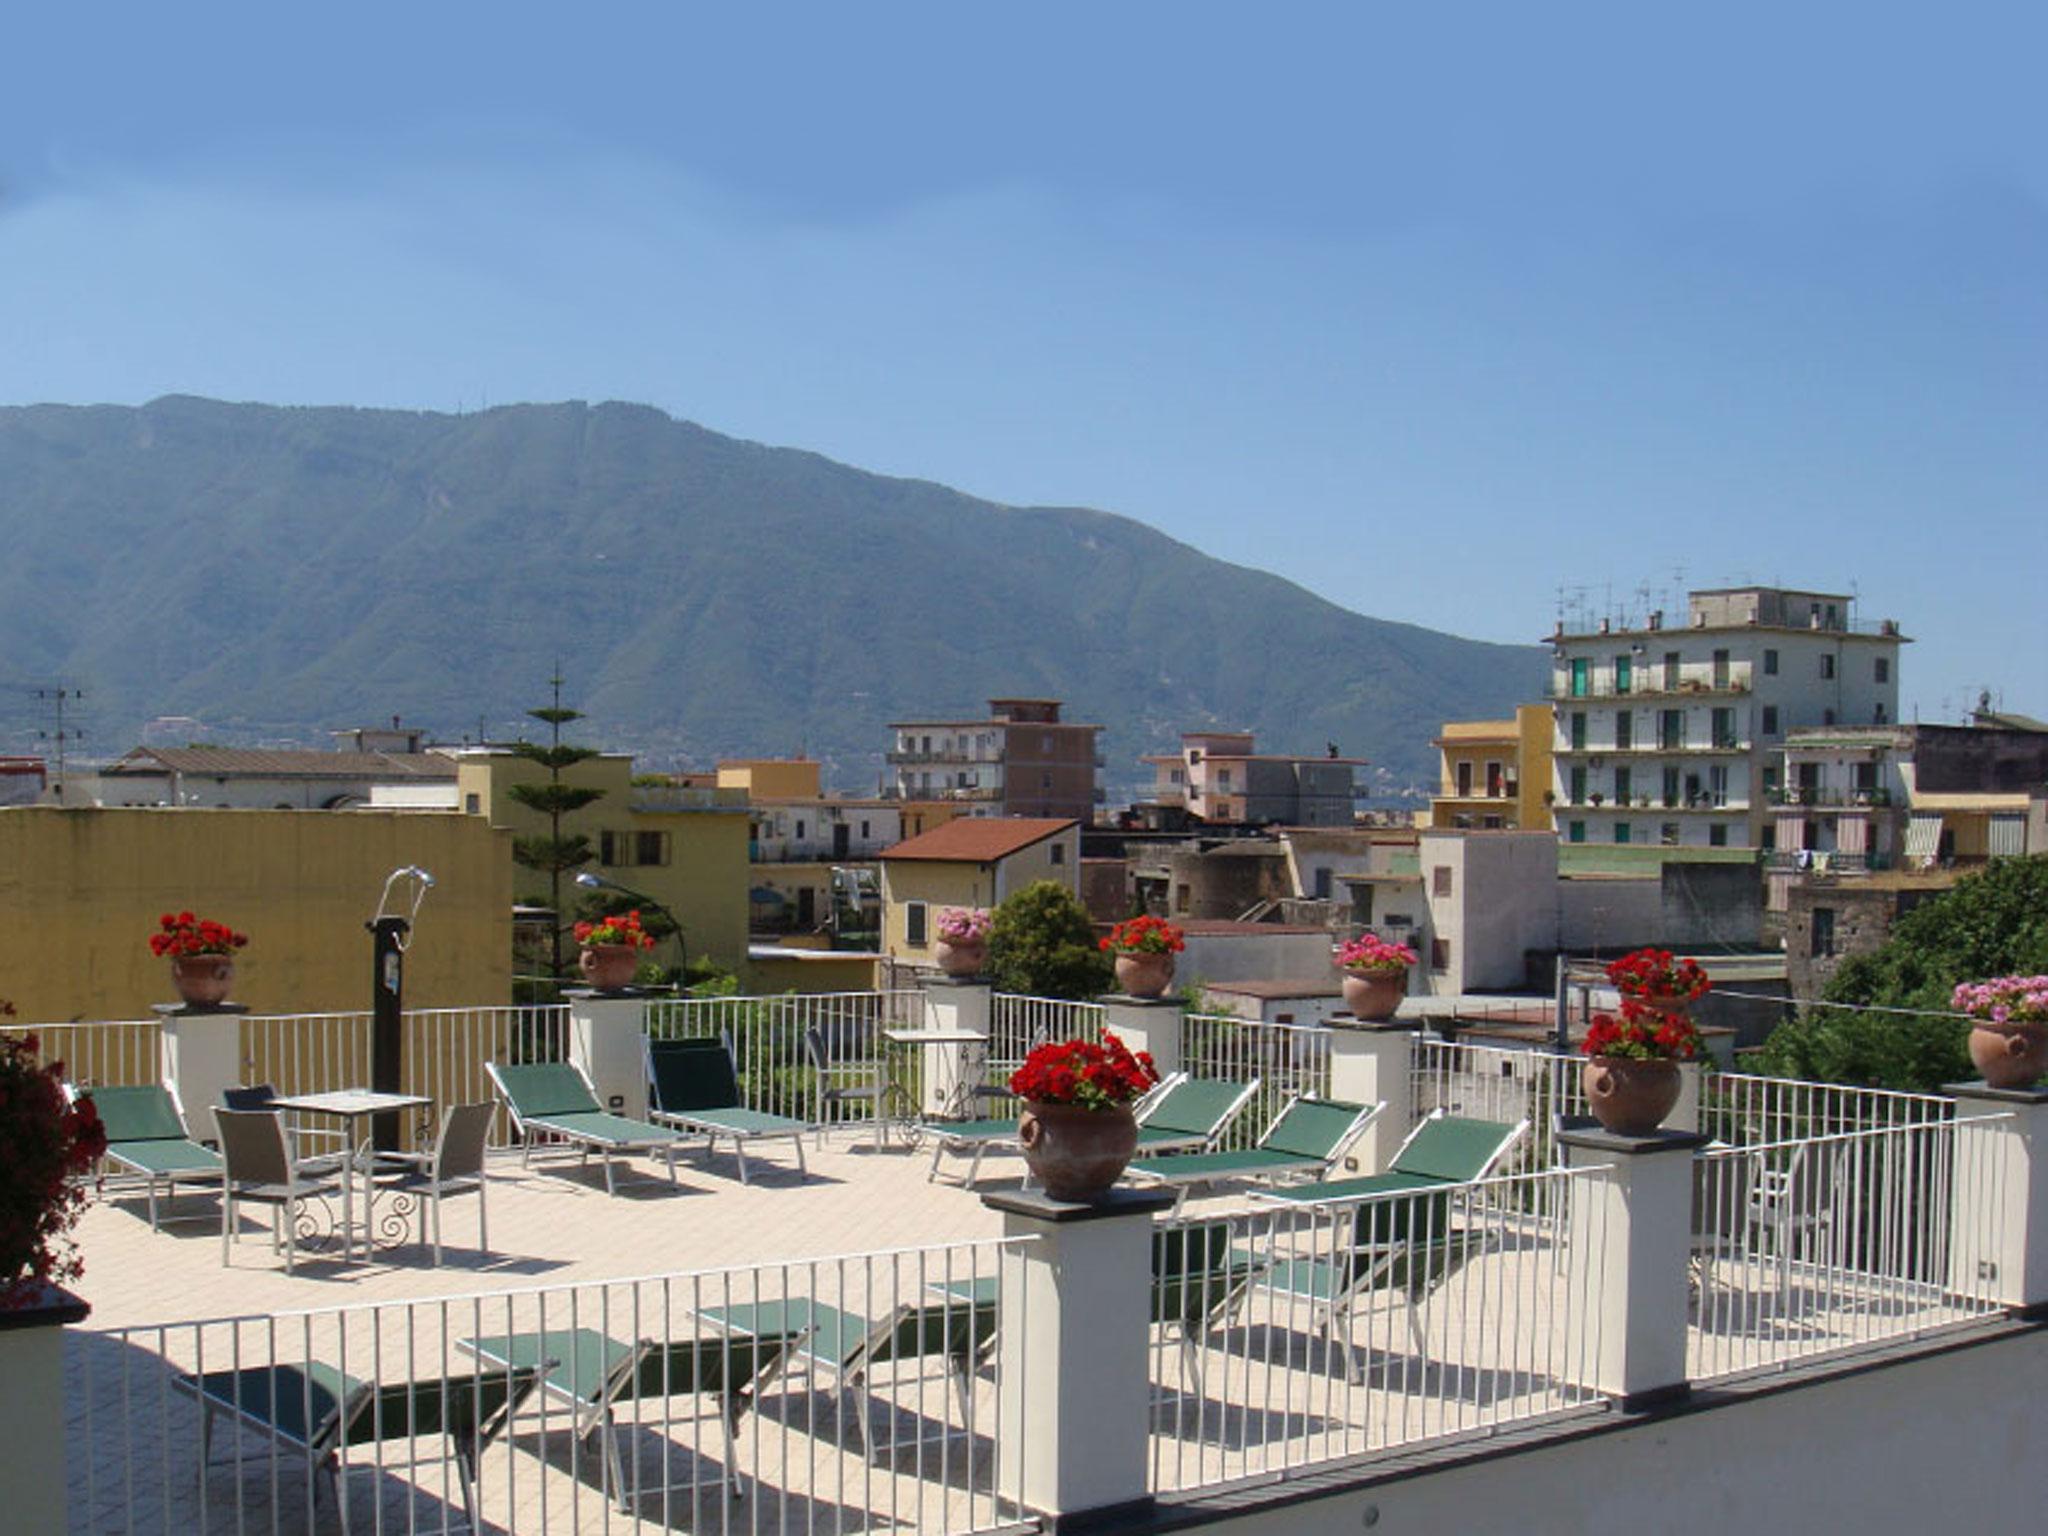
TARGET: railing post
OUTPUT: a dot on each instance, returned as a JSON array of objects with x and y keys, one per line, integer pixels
[
  {"x": 1075, "y": 1390},
  {"x": 605, "y": 1029},
  {"x": 959, "y": 1005},
  {"x": 1629, "y": 1238},
  {"x": 32, "y": 1410},
  {"x": 1998, "y": 1215},
  {"x": 1374, "y": 1064},
  {"x": 202, "y": 1054},
  {"x": 1155, "y": 1024}
]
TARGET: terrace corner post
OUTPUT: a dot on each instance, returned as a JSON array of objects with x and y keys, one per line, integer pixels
[
  {"x": 1629, "y": 1240},
  {"x": 605, "y": 1033},
  {"x": 958, "y": 1005},
  {"x": 1374, "y": 1063},
  {"x": 202, "y": 1056},
  {"x": 1155, "y": 1024},
  {"x": 1075, "y": 1394},
  {"x": 1998, "y": 1216},
  {"x": 32, "y": 1410}
]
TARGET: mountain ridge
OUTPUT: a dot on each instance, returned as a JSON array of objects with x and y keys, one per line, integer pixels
[{"x": 300, "y": 568}]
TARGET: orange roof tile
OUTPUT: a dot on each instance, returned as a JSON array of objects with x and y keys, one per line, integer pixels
[{"x": 978, "y": 839}]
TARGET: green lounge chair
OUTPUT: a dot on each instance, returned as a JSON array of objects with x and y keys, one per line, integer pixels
[
  {"x": 1442, "y": 1149},
  {"x": 1305, "y": 1140},
  {"x": 1184, "y": 1114},
  {"x": 556, "y": 1099},
  {"x": 691, "y": 1085},
  {"x": 146, "y": 1135},
  {"x": 321, "y": 1411},
  {"x": 593, "y": 1373},
  {"x": 961, "y": 1329},
  {"x": 1198, "y": 1280}
]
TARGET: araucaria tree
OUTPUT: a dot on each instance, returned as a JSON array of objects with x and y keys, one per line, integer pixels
[{"x": 554, "y": 855}]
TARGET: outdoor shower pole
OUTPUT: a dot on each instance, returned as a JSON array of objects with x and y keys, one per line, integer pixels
[{"x": 387, "y": 1019}]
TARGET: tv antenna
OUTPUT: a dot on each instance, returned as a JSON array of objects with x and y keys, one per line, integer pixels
[{"x": 56, "y": 697}]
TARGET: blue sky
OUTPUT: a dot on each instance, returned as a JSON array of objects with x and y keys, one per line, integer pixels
[{"x": 1436, "y": 316}]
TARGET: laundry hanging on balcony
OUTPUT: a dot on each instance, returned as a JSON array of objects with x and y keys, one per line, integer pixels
[{"x": 1923, "y": 835}]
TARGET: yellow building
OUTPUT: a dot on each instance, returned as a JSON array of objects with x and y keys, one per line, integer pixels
[
  {"x": 685, "y": 847},
  {"x": 81, "y": 890},
  {"x": 1495, "y": 772},
  {"x": 970, "y": 862},
  {"x": 773, "y": 778}
]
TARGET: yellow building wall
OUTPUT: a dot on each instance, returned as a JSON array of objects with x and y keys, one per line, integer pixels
[
  {"x": 1533, "y": 725},
  {"x": 1028, "y": 865},
  {"x": 774, "y": 778},
  {"x": 938, "y": 885},
  {"x": 1521, "y": 746},
  {"x": 921, "y": 816},
  {"x": 81, "y": 891},
  {"x": 704, "y": 882},
  {"x": 840, "y": 971}
]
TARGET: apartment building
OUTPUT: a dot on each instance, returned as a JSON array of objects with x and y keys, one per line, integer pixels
[
  {"x": 1023, "y": 760},
  {"x": 1673, "y": 735},
  {"x": 1219, "y": 776},
  {"x": 806, "y": 846},
  {"x": 1494, "y": 774}
]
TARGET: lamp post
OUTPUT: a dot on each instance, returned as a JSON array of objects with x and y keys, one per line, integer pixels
[
  {"x": 389, "y": 936},
  {"x": 591, "y": 882}
]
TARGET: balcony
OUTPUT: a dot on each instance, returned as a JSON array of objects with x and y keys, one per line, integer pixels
[
  {"x": 1559, "y": 690},
  {"x": 1835, "y": 799},
  {"x": 993, "y": 755}
]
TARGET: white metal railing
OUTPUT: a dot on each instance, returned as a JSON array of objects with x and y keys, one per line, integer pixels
[
  {"x": 1017, "y": 1023},
  {"x": 1293, "y": 1336},
  {"x": 107, "y": 1053},
  {"x": 700, "y": 1401},
  {"x": 1503, "y": 1083},
  {"x": 1821, "y": 1244},
  {"x": 1289, "y": 1060},
  {"x": 446, "y": 1048},
  {"x": 778, "y": 1071},
  {"x": 1743, "y": 1110}
]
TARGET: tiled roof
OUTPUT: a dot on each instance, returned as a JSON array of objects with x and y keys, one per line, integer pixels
[
  {"x": 978, "y": 839},
  {"x": 250, "y": 763}
]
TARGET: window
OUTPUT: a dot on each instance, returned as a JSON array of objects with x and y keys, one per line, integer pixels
[
  {"x": 1770, "y": 719},
  {"x": 1494, "y": 781},
  {"x": 1325, "y": 883},
  {"x": 1720, "y": 669},
  {"x": 1575, "y": 832},
  {"x": 1623, "y": 673},
  {"x": 1717, "y": 783},
  {"x": 1581, "y": 671},
  {"x": 1575, "y": 791},
  {"x": 1621, "y": 832},
  {"x": 623, "y": 850},
  {"x": 1724, "y": 727},
  {"x": 1884, "y": 669},
  {"x": 1827, "y": 665},
  {"x": 1439, "y": 954},
  {"x": 1223, "y": 778},
  {"x": 1624, "y": 730},
  {"x": 1671, "y": 786},
  {"x": 864, "y": 830},
  {"x": 1667, "y": 834},
  {"x": 914, "y": 913},
  {"x": 1440, "y": 880},
  {"x": 1823, "y": 933},
  {"x": 1827, "y": 717},
  {"x": 1464, "y": 779},
  {"x": 799, "y": 827},
  {"x": 1671, "y": 729},
  {"x": 1624, "y": 785},
  {"x": 1770, "y": 663},
  {"x": 1578, "y": 724},
  {"x": 1059, "y": 853},
  {"x": 1492, "y": 823},
  {"x": 1672, "y": 669},
  {"x": 473, "y": 803},
  {"x": 1717, "y": 835}
]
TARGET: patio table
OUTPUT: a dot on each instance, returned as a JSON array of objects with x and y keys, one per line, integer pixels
[{"x": 352, "y": 1106}]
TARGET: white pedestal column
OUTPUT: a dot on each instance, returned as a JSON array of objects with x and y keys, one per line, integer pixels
[
  {"x": 1075, "y": 1391},
  {"x": 1155, "y": 1024},
  {"x": 605, "y": 1030},
  {"x": 1999, "y": 1214},
  {"x": 954, "y": 1068},
  {"x": 32, "y": 1409},
  {"x": 202, "y": 1055},
  {"x": 1628, "y": 1239},
  {"x": 1685, "y": 1114},
  {"x": 1374, "y": 1064}
]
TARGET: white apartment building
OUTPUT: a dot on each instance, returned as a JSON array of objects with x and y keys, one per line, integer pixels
[{"x": 1673, "y": 735}]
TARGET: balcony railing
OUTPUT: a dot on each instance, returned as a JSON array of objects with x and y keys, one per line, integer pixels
[
  {"x": 980, "y": 755},
  {"x": 1850, "y": 799},
  {"x": 1691, "y": 685}
]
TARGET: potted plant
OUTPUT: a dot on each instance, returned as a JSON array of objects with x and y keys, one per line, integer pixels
[
  {"x": 1631, "y": 1076},
  {"x": 1655, "y": 977},
  {"x": 47, "y": 1145},
  {"x": 962, "y": 949},
  {"x": 202, "y": 956},
  {"x": 1077, "y": 1129},
  {"x": 2009, "y": 1032},
  {"x": 1144, "y": 948},
  {"x": 1375, "y": 976},
  {"x": 612, "y": 947}
]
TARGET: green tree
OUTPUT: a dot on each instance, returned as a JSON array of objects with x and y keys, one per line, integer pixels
[
  {"x": 554, "y": 855},
  {"x": 1991, "y": 923},
  {"x": 1042, "y": 944}
]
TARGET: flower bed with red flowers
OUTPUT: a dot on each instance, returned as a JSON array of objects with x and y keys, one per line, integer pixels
[
  {"x": 1654, "y": 973},
  {"x": 1144, "y": 936},
  {"x": 1643, "y": 1033},
  {"x": 1081, "y": 1072},
  {"x": 619, "y": 928},
  {"x": 46, "y": 1147},
  {"x": 180, "y": 933}
]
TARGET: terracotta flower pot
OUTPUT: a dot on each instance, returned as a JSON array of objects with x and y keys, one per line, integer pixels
[
  {"x": 1629, "y": 1096},
  {"x": 1374, "y": 995},
  {"x": 1076, "y": 1153},
  {"x": 609, "y": 967},
  {"x": 964, "y": 959},
  {"x": 1144, "y": 975},
  {"x": 203, "y": 981},
  {"x": 2010, "y": 1055}
]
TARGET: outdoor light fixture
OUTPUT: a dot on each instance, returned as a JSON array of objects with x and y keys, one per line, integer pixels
[{"x": 422, "y": 882}]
